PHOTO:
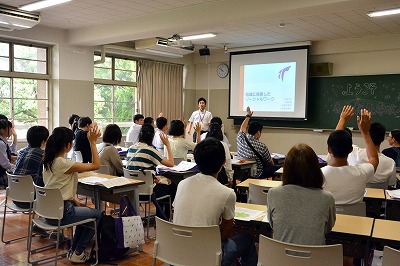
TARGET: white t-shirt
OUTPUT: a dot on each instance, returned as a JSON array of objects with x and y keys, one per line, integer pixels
[
  {"x": 228, "y": 162},
  {"x": 347, "y": 183},
  {"x": 224, "y": 138},
  {"x": 201, "y": 201},
  {"x": 201, "y": 117},
  {"x": 386, "y": 170},
  {"x": 180, "y": 147},
  {"x": 157, "y": 142},
  {"x": 56, "y": 178},
  {"x": 133, "y": 133}
]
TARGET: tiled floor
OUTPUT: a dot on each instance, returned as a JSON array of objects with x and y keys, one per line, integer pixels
[{"x": 16, "y": 254}]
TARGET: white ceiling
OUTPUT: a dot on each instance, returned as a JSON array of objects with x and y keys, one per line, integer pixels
[{"x": 237, "y": 23}]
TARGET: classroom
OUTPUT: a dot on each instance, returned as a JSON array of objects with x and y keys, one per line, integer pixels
[{"x": 340, "y": 32}]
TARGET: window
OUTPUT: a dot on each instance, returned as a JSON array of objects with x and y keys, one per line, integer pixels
[
  {"x": 115, "y": 92},
  {"x": 24, "y": 85}
]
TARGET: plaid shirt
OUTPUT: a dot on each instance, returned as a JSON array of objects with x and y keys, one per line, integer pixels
[
  {"x": 30, "y": 162},
  {"x": 244, "y": 151}
]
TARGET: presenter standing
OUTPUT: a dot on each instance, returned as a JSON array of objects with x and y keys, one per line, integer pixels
[{"x": 200, "y": 116}]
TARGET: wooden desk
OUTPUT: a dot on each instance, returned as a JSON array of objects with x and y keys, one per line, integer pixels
[
  {"x": 113, "y": 194},
  {"x": 392, "y": 208},
  {"x": 254, "y": 227},
  {"x": 260, "y": 182},
  {"x": 353, "y": 232},
  {"x": 386, "y": 232},
  {"x": 374, "y": 200}
]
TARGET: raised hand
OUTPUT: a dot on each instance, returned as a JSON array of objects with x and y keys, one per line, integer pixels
[
  {"x": 347, "y": 112},
  {"x": 364, "y": 120},
  {"x": 164, "y": 139},
  {"x": 249, "y": 112},
  {"x": 94, "y": 132}
]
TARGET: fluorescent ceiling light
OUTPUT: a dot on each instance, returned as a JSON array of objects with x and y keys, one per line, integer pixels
[
  {"x": 200, "y": 36},
  {"x": 6, "y": 23},
  {"x": 163, "y": 53},
  {"x": 42, "y": 4},
  {"x": 384, "y": 12},
  {"x": 21, "y": 26}
]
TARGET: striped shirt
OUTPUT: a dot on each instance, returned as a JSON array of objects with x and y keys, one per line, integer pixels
[
  {"x": 244, "y": 151},
  {"x": 145, "y": 157}
]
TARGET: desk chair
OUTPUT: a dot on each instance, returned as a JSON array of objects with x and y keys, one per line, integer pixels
[
  {"x": 383, "y": 185},
  {"x": 177, "y": 160},
  {"x": 78, "y": 156},
  {"x": 49, "y": 204},
  {"x": 146, "y": 190},
  {"x": 128, "y": 144},
  {"x": 277, "y": 253},
  {"x": 104, "y": 169},
  {"x": 391, "y": 256},
  {"x": 20, "y": 188},
  {"x": 257, "y": 194},
  {"x": 187, "y": 245},
  {"x": 356, "y": 209}
]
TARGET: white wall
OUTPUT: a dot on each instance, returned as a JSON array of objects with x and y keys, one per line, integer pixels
[{"x": 361, "y": 56}]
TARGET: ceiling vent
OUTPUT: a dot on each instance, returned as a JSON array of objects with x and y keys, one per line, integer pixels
[
  {"x": 12, "y": 18},
  {"x": 164, "y": 47}
]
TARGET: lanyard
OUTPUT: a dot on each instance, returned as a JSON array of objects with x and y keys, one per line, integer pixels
[{"x": 201, "y": 118}]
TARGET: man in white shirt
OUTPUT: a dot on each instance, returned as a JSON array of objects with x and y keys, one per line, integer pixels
[
  {"x": 134, "y": 130},
  {"x": 202, "y": 201},
  {"x": 161, "y": 128},
  {"x": 347, "y": 182},
  {"x": 201, "y": 116}
]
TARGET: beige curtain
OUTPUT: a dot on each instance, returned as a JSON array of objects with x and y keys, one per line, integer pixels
[{"x": 160, "y": 88}]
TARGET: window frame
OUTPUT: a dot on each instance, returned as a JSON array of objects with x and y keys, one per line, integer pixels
[
  {"x": 114, "y": 83},
  {"x": 12, "y": 74}
]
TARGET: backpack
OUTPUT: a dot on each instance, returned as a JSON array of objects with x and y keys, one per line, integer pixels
[{"x": 107, "y": 241}]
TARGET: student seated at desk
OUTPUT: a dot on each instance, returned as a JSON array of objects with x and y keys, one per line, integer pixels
[
  {"x": 347, "y": 182},
  {"x": 179, "y": 145},
  {"x": 225, "y": 176},
  {"x": 394, "y": 151},
  {"x": 108, "y": 153},
  {"x": 202, "y": 201},
  {"x": 143, "y": 156},
  {"x": 62, "y": 173},
  {"x": 299, "y": 211}
]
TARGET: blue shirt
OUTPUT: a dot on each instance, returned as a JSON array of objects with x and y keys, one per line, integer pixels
[{"x": 30, "y": 162}]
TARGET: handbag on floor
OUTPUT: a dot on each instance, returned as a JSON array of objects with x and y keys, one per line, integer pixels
[{"x": 129, "y": 229}]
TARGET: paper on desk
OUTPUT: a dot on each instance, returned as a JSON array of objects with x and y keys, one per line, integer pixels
[
  {"x": 107, "y": 182},
  {"x": 394, "y": 194},
  {"x": 246, "y": 214},
  {"x": 265, "y": 219},
  {"x": 183, "y": 166},
  {"x": 277, "y": 156}
]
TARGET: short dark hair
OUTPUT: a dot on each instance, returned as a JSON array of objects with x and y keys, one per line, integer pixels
[
  {"x": 72, "y": 118},
  {"x": 395, "y": 134},
  {"x": 201, "y": 99},
  {"x": 4, "y": 124},
  {"x": 254, "y": 127},
  {"x": 36, "y": 135},
  {"x": 148, "y": 120},
  {"x": 176, "y": 128},
  {"x": 3, "y": 117},
  {"x": 137, "y": 117},
  {"x": 217, "y": 120},
  {"x": 301, "y": 168},
  {"x": 340, "y": 143},
  {"x": 215, "y": 131},
  {"x": 112, "y": 134},
  {"x": 377, "y": 132},
  {"x": 209, "y": 155},
  {"x": 348, "y": 130},
  {"x": 146, "y": 134},
  {"x": 84, "y": 121},
  {"x": 161, "y": 122}
]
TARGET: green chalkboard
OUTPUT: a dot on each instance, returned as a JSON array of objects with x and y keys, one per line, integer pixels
[{"x": 380, "y": 94}]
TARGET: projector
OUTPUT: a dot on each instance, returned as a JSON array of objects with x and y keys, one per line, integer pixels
[{"x": 204, "y": 51}]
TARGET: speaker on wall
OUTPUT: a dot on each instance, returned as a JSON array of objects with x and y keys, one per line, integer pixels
[
  {"x": 321, "y": 69},
  {"x": 204, "y": 51}
]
